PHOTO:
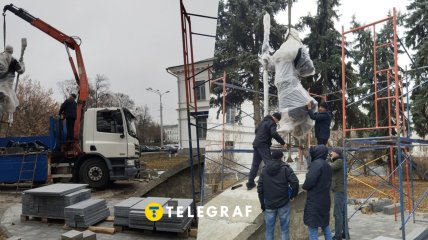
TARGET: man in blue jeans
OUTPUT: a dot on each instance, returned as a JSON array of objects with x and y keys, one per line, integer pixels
[
  {"x": 317, "y": 184},
  {"x": 336, "y": 164},
  {"x": 276, "y": 187}
]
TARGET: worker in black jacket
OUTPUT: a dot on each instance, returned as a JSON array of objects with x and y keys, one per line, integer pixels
[
  {"x": 68, "y": 111},
  {"x": 317, "y": 184},
  {"x": 277, "y": 186},
  {"x": 322, "y": 122},
  {"x": 261, "y": 145}
]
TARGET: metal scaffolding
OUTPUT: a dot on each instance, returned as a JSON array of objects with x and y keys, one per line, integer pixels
[
  {"x": 191, "y": 98},
  {"x": 396, "y": 141}
]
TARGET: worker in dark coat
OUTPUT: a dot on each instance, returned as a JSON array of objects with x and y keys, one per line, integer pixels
[
  {"x": 68, "y": 111},
  {"x": 277, "y": 186},
  {"x": 261, "y": 145},
  {"x": 317, "y": 184},
  {"x": 322, "y": 122}
]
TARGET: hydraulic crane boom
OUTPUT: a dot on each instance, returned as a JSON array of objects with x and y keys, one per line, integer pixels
[{"x": 69, "y": 42}]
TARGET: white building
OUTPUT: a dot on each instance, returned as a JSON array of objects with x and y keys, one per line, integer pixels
[
  {"x": 171, "y": 133},
  {"x": 203, "y": 99}
]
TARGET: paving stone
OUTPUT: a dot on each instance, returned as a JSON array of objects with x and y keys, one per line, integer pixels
[
  {"x": 389, "y": 210},
  {"x": 351, "y": 201},
  {"x": 378, "y": 205},
  {"x": 72, "y": 235},
  {"x": 89, "y": 235}
]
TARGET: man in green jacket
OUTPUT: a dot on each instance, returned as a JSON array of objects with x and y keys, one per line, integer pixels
[{"x": 336, "y": 165}]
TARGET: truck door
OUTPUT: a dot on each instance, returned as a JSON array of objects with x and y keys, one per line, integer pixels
[{"x": 109, "y": 137}]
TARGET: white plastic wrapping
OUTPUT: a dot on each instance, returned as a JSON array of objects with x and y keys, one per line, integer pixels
[
  {"x": 292, "y": 97},
  {"x": 8, "y": 100}
]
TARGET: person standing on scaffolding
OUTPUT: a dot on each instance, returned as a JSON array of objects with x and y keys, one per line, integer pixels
[
  {"x": 69, "y": 111},
  {"x": 322, "y": 122},
  {"x": 261, "y": 145}
]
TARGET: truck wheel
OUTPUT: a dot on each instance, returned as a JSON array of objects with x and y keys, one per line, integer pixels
[{"x": 95, "y": 173}]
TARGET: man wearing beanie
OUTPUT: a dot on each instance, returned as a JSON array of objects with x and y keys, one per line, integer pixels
[
  {"x": 336, "y": 165},
  {"x": 277, "y": 185},
  {"x": 261, "y": 145},
  {"x": 322, "y": 122},
  {"x": 69, "y": 111}
]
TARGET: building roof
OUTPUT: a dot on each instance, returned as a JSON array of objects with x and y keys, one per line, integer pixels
[{"x": 201, "y": 61}]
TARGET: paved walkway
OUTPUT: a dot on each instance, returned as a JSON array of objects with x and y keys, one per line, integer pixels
[
  {"x": 365, "y": 226},
  {"x": 33, "y": 229}
]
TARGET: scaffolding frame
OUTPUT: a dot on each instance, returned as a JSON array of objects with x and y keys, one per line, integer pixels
[
  {"x": 399, "y": 145},
  {"x": 191, "y": 97}
]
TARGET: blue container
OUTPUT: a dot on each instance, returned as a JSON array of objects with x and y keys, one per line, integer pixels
[{"x": 10, "y": 166}]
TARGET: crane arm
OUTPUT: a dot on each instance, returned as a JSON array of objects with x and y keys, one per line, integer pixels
[{"x": 69, "y": 42}]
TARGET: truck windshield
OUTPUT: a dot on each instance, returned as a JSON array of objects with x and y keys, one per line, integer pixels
[{"x": 130, "y": 123}]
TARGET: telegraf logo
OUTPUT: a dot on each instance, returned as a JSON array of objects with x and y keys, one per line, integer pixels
[{"x": 154, "y": 211}]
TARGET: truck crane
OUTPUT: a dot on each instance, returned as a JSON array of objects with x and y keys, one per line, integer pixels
[{"x": 105, "y": 145}]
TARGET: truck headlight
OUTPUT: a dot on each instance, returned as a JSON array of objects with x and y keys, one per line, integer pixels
[{"x": 130, "y": 162}]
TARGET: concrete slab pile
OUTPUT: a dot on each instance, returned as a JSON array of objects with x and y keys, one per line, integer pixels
[
  {"x": 86, "y": 213},
  {"x": 121, "y": 211},
  {"x": 137, "y": 216},
  {"x": 50, "y": 201},
  {"x": 180, "y": 217}
]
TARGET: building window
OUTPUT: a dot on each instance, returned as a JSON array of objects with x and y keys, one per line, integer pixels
[
  {"x": 229, "y": 145},
  {"x": 202, "y": 130},
  {"x": 230, "y": 115},
  {"x": 200, "y": 90}
]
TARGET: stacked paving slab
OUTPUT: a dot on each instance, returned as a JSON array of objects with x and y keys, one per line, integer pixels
[
  {"x": 121, "y": 211},
  {"x": 175, "y": 223},
  {"x": 131, "y": 213},
  {"x": 86, "y": 213},
  {"x": 50, "y": 201},
  {"x": 137, "y": 216}
]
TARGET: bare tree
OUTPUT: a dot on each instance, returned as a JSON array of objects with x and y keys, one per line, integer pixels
[
  {"x": 36, "y": 105},
  {"x": 121, "y": 100},
  {"x": 101, "y": 90},
  {"x": 67, "y": 87}
]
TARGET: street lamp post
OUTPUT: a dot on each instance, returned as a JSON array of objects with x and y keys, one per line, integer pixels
[{"x": 158, "y": 92}]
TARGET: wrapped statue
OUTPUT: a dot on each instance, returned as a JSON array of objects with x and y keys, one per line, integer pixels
[
  {"x": 8, "y": 66},
  {"x": 290, "y": 62}
]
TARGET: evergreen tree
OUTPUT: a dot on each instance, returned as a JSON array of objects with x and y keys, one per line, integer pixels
[
  {"x": 324, "y": 43},
  {"x": 238, "y": 47},
  {"x": 417, "y": 38}
]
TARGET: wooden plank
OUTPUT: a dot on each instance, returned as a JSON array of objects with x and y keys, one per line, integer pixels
[{"x": 107, "y": 230}]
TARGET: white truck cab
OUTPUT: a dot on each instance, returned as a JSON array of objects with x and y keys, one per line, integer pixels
[{"x": 110, "y": 146}]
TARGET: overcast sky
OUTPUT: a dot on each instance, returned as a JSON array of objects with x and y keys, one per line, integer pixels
[{"x": 133, "y": 41}]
